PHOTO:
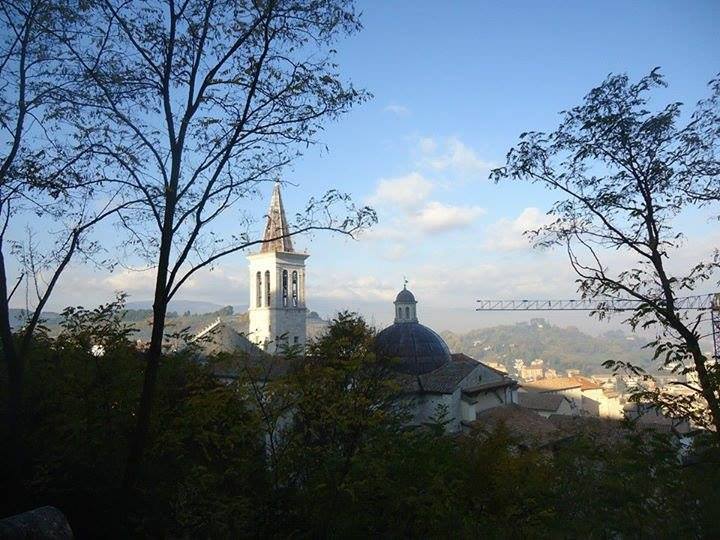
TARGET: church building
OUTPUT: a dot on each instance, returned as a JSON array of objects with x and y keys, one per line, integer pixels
[
  {"x": 277, "y": 311},
  {"x": 436, "y": 384}
]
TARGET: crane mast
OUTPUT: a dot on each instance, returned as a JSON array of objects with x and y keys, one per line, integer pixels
[{"x": 703, "y": 302}]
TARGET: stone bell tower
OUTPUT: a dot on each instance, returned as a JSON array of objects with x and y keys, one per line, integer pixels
[{"x": 277, "y": 286}]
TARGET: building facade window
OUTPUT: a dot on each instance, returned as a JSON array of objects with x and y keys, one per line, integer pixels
[
  {"x": 258, "y": 290},
  {"x": 295, "y": 288},
  {"x": 267, "y": 288},
  {"x": 285, "y": 288},
  {"x": 399, "y": 313},
  {"x": 407, "y": 312}
]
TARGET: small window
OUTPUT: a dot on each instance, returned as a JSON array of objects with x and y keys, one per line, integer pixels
[
  {"x": 399, "y": 313},
  {"x": 295, "y": 288},
  {"x": 296, "y": 340},
  {"x": 285, "y": 288},
  {"x": 407, "y": 312},
  {"x": 258, "y": 290},
  {"x": 267, "y": 288}
]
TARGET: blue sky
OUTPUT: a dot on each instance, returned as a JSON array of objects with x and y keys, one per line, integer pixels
[{"x": 454, "y": 85}]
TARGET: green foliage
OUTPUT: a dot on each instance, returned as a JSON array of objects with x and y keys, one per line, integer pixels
[
  {"x": 624, "y": 172},
  {"x": 630, "y": 487},
  {"x": 323, "y": 451}
]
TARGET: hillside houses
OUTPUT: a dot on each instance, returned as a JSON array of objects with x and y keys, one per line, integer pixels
[{"x": 586, "y": 397}]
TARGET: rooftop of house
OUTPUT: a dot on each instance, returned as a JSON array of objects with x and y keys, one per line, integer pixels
[
  {"x": 443, "y": 380},
  {"x": 222, "y": 338},
  {"x": 528, "y": 427},
  {"x": 540, "y": 402},
  {"x": 555, "y": 384},
  {"x": 447, "y": 378}
]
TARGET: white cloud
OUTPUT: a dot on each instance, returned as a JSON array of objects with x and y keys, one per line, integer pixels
[
  {"x": 403, "y": 191},
  {"x": 364, "y": 288},
  {"x": 439, "y": 217},
  {"x": 405, "y": 212},
  {"x": 508, "y": 234},
  {"x": 446, "y": 290},
  {"x": 452, "y": 155},
  {"x": 399, "y": 110},
  {"x": 134, "y": 282}
]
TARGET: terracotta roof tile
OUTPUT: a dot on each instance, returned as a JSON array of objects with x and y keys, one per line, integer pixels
[{"x": 561, "y": 383}]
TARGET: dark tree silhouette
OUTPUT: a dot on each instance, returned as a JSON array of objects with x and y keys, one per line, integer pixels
[
  {"x": 624, "y": 173},
  {"x": 45, "y": 173},
  {"x": 201, "y": 102}
]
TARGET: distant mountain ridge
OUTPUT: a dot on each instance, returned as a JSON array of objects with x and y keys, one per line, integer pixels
[
  {"x": 195, "y": 307},
  {"x": 560, "y": 347},
  {"x": 18, "y": 317}
]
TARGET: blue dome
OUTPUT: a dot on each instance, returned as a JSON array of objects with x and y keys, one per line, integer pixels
[
  {"x": 405, "y": 297},
  {"x": 414, "y": 348}
]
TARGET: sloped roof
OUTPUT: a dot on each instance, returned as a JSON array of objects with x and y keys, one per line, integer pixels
[
  {"x": 405, "y": 297},
  {"x": 443, "y": 380},
  {"x": 447, "y": 378},
  {"x": 276, "y": 237},
  {"x": 561, "y": 383},
  {"x": 500, "y": 383},
  {"x": 540, "y": 402},
  {"x": 523, "y": 424},
  {"x": 224, "y": 339}
]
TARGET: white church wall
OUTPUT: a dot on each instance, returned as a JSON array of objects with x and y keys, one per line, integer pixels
[
  {"x": 467, "y": 410},
  {"x": 490, "y": 400},
  {"x": 285, "y": 313},
  {"x": 426, "y": 407}
]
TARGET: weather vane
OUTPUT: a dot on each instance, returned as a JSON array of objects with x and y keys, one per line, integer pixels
[{"x": 405, "y": 282}]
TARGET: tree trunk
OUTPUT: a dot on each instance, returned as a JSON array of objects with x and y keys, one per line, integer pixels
[
  {"x": 139, "y": 438},
  {"x": 15, "y": 381},
  {"x": 708, "y": 391}
]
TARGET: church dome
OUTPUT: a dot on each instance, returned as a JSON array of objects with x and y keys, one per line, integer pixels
[{"x": 416, "y": 348}]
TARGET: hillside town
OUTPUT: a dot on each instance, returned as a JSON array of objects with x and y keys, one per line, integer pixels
[
  {"x": 530, "y": 398},
  {"x": 339, "y": 269}
]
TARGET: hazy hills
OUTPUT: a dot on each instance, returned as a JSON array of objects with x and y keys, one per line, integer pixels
[{"x": 560, "y": 347}]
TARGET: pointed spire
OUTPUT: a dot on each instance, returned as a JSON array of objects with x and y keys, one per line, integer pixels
[{"x": 276, "y": 231}]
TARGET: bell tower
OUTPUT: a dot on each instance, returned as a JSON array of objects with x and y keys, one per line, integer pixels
[{"x": 277, "y": 285}]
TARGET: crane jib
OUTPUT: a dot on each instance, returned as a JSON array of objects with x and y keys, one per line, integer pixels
[
  {"x": 703, "y": 302},
  {"x": 699, "y": 302}
]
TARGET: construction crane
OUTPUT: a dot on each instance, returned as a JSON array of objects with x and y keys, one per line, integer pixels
[{"x": 703, "y": 302}]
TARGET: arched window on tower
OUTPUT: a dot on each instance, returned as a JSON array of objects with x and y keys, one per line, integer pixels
[
  {"x": 258, "y": 290},
  {"x": 295, "y": 288},
  {"x": 407, "y": 312},
  {"x": 285, "y": 288},
  {"x": 267, "y": 288},
  {"x": 399, "y": 313}
]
